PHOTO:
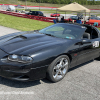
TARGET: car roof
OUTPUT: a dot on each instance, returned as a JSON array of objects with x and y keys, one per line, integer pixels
[
  {"x": 78, "y": 25},
  {"x": 73, "y": 24},
  {"x": 85, "y": 25}
]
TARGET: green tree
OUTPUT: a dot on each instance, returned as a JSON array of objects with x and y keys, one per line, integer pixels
[{"x": 83, "y": 2}]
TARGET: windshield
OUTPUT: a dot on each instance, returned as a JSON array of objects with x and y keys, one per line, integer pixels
[{"x": 69, "y": 31}]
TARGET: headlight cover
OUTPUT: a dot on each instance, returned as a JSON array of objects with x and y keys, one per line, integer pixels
[{"x": 17, "y": 58}]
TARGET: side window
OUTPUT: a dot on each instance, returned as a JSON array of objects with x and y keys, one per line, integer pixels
[
  {"x": 33, "y": 13},
  {"x": 94, "y": 34},
  {"x": 41, "y": 14},
  {"x": 36, "y": 13}
]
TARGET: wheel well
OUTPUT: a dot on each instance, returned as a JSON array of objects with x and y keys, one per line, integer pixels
[{"x": 70, "y": 58}]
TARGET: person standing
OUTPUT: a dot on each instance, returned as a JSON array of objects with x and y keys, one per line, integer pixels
[
  {"x": 79, "y": 21},
  {"x": 62, "y": 19}
]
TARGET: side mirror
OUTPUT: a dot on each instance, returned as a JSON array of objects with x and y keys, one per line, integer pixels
[{"x": 85, "y": 41}]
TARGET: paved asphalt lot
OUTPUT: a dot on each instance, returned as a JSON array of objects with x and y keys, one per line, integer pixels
[{"x": 80, "y": 83}]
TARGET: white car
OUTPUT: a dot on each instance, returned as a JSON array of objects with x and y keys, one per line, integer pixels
[{"x": 10, "y": 8}]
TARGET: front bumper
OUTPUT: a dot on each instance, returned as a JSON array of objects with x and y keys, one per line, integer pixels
[
  {"x": 20, "y": 71},
  {"x": 24, "y": 74}
]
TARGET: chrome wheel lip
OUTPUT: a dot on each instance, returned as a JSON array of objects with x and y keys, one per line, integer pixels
[{"x": 60, "y": 68}]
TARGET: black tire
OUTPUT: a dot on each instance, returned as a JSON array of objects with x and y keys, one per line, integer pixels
[
  {"x": 98, "y": 58},
  {"x": 56, "y": 70}
]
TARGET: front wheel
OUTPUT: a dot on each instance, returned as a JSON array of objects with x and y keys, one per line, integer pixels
[{"x": 58, "y": 68}]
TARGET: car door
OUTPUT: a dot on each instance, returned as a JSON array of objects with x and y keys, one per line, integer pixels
[{"x": 89, "y": 49}]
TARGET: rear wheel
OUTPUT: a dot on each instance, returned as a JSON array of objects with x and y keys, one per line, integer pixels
[{"x": 58, "y": 68}]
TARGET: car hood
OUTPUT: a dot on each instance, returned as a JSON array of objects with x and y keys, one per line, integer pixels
[{"x": 29, "y": 41}]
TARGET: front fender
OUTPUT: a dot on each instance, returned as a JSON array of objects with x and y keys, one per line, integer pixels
[{"x": 45, "y": 57}]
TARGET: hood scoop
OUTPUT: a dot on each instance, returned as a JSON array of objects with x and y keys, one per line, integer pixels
[
  {"x": 33, "y": 35},
  {"x": 20, "y": 36},
  {"x": 11, "y": 38}
]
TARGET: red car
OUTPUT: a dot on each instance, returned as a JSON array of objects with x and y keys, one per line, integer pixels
[{"x": 55, "y": 15}]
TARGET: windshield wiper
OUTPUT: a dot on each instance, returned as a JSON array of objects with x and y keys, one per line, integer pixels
[
  {"x": 50, "y": 35},
  {"x": 36, "y": 30}
]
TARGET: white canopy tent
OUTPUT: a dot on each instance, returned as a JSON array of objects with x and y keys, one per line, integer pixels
[{"x": 74, "y": 7}]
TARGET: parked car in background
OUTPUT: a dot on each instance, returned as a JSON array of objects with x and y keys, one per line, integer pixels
[
  {"x": 55, "y": 15},
  {"x": 93, "y": 15},
  {"x": 19, "y": 6},
  {"x": 74, "y": 17},
  {"x": 94, "y": 18},
  {"x": 10, "y": 8},
  {"x": 36, "y": 13}
]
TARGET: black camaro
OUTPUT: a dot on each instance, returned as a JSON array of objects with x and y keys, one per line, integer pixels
[{"x": 49, "y": 52}]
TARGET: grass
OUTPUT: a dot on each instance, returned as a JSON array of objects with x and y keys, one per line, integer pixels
[
  {"x": 22, "y": 24},
  {"x": 29, "y": 24},
  {"x": 99, "y": 28},
  {"x": 16, "y": 2}
]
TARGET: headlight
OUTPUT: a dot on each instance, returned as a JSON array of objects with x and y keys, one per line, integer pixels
[{"x": 17, "y": 58}]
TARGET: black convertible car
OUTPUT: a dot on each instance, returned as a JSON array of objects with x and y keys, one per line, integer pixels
[{"x": 49, "y": 52}]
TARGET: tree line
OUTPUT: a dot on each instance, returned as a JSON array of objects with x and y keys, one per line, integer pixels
[{"x": 83, "y": 2}]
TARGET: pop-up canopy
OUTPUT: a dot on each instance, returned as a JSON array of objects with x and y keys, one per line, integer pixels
[{"x": 74, "y": 7}]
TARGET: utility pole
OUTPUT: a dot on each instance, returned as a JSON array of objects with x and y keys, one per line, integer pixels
[
  {"x": 39, "y": 4},
  {"x": 26, "y": 4},
  {"x": 17, "y": 4}
]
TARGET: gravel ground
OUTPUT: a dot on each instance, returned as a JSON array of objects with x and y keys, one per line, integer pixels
[
  {"x": 80, "y": 83},
  {"x": 5, "y": 30}
]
